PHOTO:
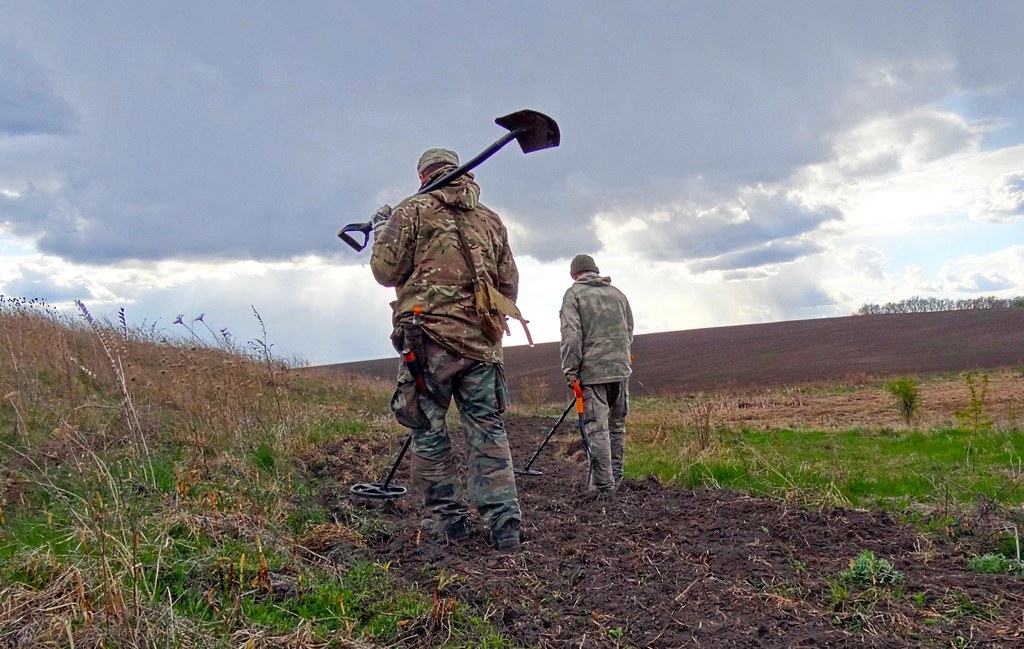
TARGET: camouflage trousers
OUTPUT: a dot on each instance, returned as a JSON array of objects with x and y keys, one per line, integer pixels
[
  {"x": 605, "y": 406},
  {"x": 480, "y": 395}
]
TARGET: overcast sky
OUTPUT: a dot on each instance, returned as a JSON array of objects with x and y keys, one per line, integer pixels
[{"x": 724, "y": 162}]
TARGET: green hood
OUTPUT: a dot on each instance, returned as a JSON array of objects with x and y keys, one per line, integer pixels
[{"x": 463, "y": 192}]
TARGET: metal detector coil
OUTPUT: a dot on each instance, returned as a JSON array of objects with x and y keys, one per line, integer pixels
[
  {"x": 378, "y": 490},
  {"x": 383, "y": 490}
]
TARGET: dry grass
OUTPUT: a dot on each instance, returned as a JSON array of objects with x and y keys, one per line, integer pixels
[
  {"x": 829, "y": 407},
  {"x": 128, "y": 453}
]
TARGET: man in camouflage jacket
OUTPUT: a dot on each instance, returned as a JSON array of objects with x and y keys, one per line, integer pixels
[
  {"x": 597, "y": 331},
  {"x": 418, "y": 250}
]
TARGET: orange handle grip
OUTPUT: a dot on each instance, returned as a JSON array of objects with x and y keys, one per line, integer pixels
[{"x": 578, "y": 391}]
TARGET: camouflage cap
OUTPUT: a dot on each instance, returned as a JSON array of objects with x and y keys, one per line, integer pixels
[
  {"x": 434, "y": 156},
  {"x": 581, "y": 263}
]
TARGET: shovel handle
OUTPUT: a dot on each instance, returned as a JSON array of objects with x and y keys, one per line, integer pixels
[{"x": 363, "y": 228}]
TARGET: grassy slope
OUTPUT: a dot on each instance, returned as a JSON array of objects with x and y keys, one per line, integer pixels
[
  {"x": 152, "y": 492},
  {"x": 149, "y": 496}
]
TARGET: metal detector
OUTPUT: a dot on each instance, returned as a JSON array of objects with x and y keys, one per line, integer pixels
[
  {"x": 526, "y": 470},
  {"x": 384, "y": 490},
  {"x": 534, "y": 131},
  {"x": 411, "y": 359}
]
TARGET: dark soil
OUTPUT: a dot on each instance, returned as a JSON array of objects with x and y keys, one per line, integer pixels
[{"x": 662, "y": 566}]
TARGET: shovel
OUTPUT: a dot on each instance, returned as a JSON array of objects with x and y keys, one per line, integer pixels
[{"x": 534, "y": 131}]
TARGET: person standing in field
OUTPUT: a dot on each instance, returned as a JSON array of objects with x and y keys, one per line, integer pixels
[
  {"x": 596, "y": 335},
  {"x": 439, "y": 250}
]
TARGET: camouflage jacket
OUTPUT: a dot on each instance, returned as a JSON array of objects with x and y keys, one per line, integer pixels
[
  {"x": 418, "y": 253},
  {"x": 597, "y": 330}
]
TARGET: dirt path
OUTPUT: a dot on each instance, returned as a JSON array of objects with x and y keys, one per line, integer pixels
[{"x": 661, "y": 566}]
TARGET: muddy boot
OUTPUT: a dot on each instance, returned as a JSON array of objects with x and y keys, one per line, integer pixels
[
  {"x": 457, "y": 530},
  {"x": 508, "y": 537},
  {"x": 599, "y": 495}
]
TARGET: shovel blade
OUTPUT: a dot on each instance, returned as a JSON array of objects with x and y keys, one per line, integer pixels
[{"x": 533, "y": 131}]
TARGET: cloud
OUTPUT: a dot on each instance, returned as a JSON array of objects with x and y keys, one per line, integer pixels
[
  {"x": 999, "y": 271},
  {"x": 757, "y": 227},
  {"x": 237, "y": 142},
  {"x": 769, "y": 254},
  {"x": 37, "y": 212},
  {"x": 895, "y": 144},
  {"x": 29, "y": 102},
  {"x": 313, "y": 310},
  {"x": 41, "y": 281},
  {"x": 983, "y": 282},
  {"x": 1004, "y": 202},
  {"x": 894, "y": 82},
  {"x": 866, "y": 261}
]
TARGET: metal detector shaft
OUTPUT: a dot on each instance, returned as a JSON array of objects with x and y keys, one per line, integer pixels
[
  {"x": 526, "y": 469},
  {"x": 398, "y": 460},
  {"x": 384, "y": 489},
  {"x": 534, "y": 131}
]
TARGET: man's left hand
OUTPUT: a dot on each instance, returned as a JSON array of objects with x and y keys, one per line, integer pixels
[{"x": 380, "y": 217}]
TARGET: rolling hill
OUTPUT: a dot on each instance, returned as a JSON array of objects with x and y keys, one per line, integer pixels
[{"x": 795, "y": 351}]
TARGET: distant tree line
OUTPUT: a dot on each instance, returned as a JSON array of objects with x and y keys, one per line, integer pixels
[{"x": 931, "y": 304}]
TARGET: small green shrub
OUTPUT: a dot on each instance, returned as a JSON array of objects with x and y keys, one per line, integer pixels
[
  {"x": 996, "y": 564},
  {"x": 974, "y": 418},
  {"x": 990, "y": 564},
  {"x": 906, "y": 392},
  {"x": 868, "y": 571}
]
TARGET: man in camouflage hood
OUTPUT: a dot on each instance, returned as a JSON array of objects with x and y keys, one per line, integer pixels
[
  {"x": 597, "y": 331},
  {"x": 435, "y": 249}
]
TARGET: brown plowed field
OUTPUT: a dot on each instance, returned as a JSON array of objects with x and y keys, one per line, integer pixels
[
  {"x": 664, "y": 566},
  {"x": 781, "y": 353}
]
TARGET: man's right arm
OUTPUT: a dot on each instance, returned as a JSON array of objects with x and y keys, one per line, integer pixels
[
  {"x": 391, "y": 259},
  {"x": 571, "y": 345},
  {"x": 629, "y": 319}
]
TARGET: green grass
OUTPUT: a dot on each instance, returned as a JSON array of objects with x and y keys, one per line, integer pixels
[
  {"x": 226, "y": 579},
  {"x": 332, "y": 428},
  {"x": 866, "y": 570},
  {"x": 863, "y": 467}
]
